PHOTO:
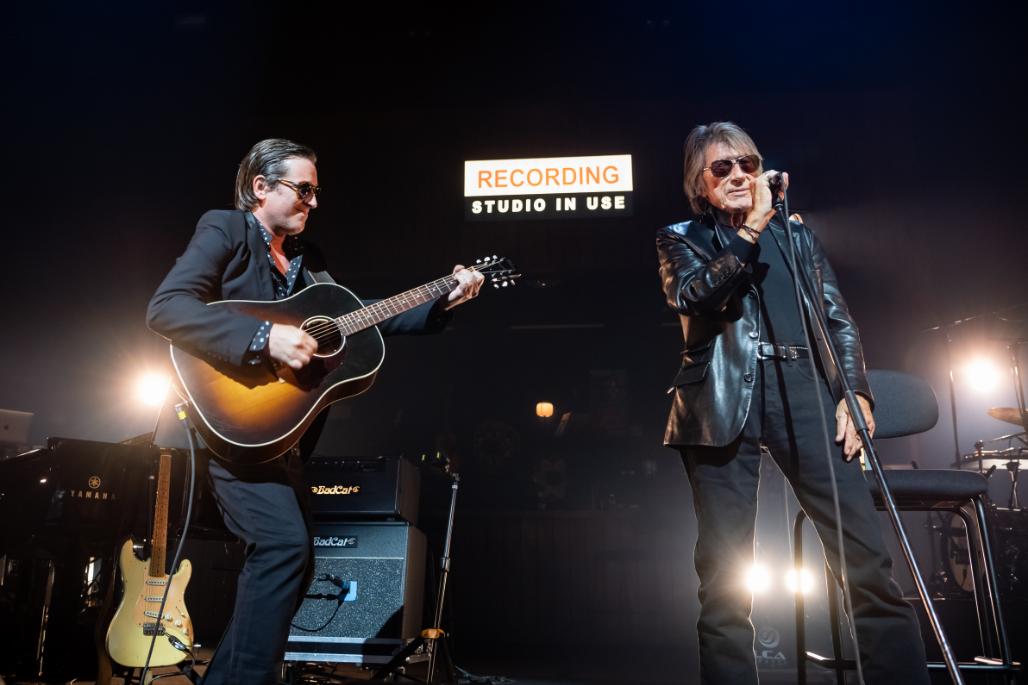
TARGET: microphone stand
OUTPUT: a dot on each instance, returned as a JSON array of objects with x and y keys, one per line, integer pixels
[
  {"x": 444, "y": 574},
  {"x": 433, "y": 637},
  {"x": 870, "y": 452},
  {"x": 957, "y": 458}
]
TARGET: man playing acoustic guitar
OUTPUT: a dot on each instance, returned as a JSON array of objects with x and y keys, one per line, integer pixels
[{"x": 255, "y": 253}]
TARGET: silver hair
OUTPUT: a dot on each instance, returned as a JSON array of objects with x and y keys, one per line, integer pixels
[{"x": 695, "y": 152}]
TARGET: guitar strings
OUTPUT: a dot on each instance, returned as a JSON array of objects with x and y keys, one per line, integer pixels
[
  {"x": 323, "y": 331},
  {"x": 368, "y": 312},
  {"x": 364, "y": 314}
]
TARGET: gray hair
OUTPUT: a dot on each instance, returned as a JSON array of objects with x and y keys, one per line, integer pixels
[
  {"x": 695, "y": 151},
  {"x": 267, "y": 158}
]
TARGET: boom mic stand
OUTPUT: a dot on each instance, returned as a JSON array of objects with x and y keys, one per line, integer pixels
[{"x": 870, "y": 452}]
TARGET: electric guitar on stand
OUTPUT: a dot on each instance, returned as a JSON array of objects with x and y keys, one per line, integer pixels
[
  {"x": 253, "y": 414},
  {"x": 139, "y": 615}
]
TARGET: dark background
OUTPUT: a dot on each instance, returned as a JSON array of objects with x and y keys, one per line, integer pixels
[{"x": 901, "y": 126}]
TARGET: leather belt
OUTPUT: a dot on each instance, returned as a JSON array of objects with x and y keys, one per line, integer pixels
[{"x": 767, "y": 350}]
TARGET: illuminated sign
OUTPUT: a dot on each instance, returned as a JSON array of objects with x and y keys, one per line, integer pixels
[{"x": 548, "y": 188}]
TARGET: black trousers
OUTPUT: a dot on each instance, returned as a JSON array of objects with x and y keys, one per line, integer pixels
[
  {"x": 784, "y": 417},
  {"x": 265, "y": 506}
]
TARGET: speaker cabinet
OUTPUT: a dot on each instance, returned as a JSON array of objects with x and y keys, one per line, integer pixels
[{"x": 367, "y": 596}]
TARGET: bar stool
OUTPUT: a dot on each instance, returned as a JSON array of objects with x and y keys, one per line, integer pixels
[{"x": 906, "y": 405}]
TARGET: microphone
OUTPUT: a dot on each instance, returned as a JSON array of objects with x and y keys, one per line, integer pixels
[{"x": 775, "y": 182}]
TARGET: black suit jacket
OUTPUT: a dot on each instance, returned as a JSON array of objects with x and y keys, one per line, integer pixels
[{"x": 710, "y": 289}]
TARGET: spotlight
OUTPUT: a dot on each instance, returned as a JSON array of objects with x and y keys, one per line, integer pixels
[
  {"x": 544, "y": 410},
  {"x": 151, "y": 389},
  {"x": 757, "y": 579},
  {"x": 799, "y": 581},
  {"x": 982, "y": 374}
]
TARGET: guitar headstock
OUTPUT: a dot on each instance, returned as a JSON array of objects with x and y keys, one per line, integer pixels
[{"x": 499, "y": 271}]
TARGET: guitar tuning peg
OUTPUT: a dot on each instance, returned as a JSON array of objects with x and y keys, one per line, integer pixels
[{"x": 506, "y": 283}]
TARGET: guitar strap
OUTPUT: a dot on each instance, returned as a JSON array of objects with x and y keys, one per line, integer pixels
[{"x": 319, "y": 276}]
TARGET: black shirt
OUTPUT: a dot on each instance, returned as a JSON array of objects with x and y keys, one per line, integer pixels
[{"x": 770, "y": 275}]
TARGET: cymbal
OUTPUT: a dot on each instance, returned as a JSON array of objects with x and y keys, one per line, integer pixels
[
  {"x": 1011, "y": 436},
  {"x": 1007, "y": 414}
]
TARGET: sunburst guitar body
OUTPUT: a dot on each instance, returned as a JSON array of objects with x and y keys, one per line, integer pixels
[{"x": 252, "y": 414}]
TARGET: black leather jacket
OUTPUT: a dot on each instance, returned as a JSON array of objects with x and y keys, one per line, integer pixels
[{"x": 710, "y": 289}]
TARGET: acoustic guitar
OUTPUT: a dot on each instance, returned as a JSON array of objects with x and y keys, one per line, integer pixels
[{"x": 253, "y": 414}]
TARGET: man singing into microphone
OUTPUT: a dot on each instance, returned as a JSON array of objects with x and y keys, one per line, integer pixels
[{"x": 745, "y": 386}]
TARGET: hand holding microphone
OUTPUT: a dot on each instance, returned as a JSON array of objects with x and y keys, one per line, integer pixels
[{"x": 767, "y": 189}]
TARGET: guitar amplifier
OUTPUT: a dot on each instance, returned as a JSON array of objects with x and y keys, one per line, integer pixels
[
  {"x": 367, "y": 597},
  {"x": 363, "y": 488}
]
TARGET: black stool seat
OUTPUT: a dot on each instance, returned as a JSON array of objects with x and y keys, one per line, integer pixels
[{"x": 930, "y": 487}]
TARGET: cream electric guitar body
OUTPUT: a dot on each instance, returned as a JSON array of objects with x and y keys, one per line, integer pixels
[{"x": 143, "y": 583}]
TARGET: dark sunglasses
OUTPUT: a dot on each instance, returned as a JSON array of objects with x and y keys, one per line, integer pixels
[
  {"x": 720, "y": 168},
  {"x": 303, "y": 190}
]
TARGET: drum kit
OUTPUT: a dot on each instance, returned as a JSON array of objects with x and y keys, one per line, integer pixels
[
  {"x": 1009, "y": 457},
  {"x": 1009, "y": 524}
]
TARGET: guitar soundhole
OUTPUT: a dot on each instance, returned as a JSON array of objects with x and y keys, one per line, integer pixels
[{"x": 326, "y": 331}]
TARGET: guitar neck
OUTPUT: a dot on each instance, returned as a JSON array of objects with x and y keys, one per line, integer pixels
[
  {"x": 159, "y": 538},
  {"x": 376, "y": 313}
]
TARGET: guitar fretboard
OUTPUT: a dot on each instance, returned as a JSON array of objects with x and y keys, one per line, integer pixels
[
  {"x": 378, "y": 312},
  {"x": 159, "y": 540}
]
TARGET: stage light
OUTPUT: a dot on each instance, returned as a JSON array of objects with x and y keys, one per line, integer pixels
[
  {"x": 151, "y": 389},
  {"x": 799, "y": 581},
  {"x": 544, "y": 410},
  {"x": 982, "y": 374},
  {"x": 757, "y": 579}
]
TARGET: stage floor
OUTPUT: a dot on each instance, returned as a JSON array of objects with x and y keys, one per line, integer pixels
[{"x": 631, "y": 669}]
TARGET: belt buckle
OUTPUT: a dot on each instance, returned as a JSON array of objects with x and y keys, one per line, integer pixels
[{"x": 785, "y": 353}]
